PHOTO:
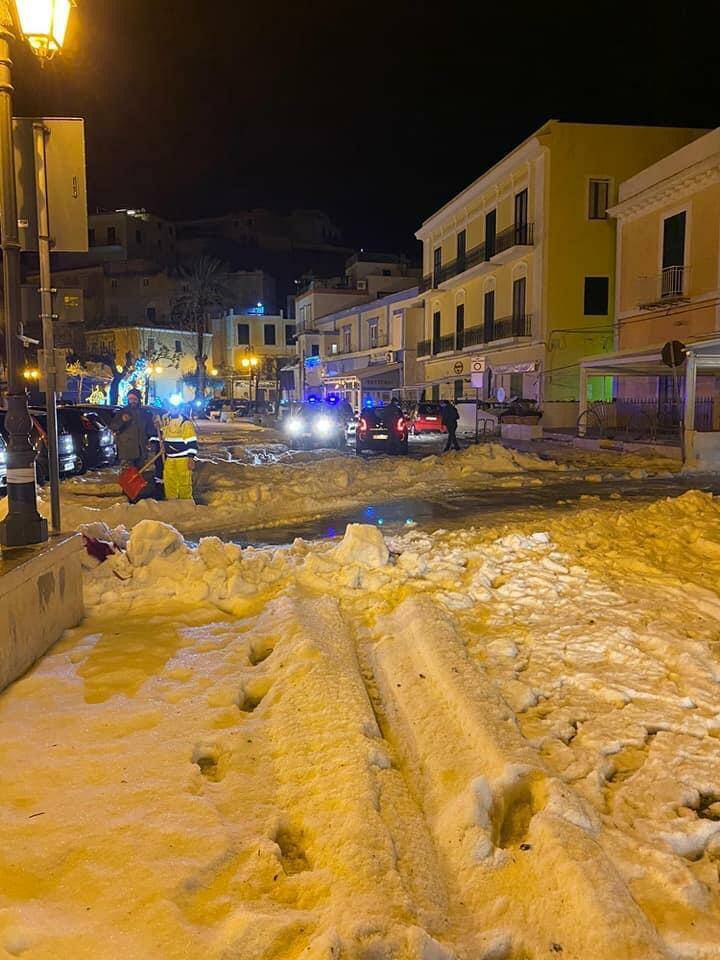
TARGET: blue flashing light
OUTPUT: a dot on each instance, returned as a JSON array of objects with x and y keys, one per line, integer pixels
[
  {"x": 312, "y": 361},
  {"x": 369, "y": 511},
  {"x": 313, "y": 399},
  {"x": 368, "y": 403},
  {"x": 331, "y": 532},
  {"x": 332, "y": 399},
  {"x": 380, "y": 521},
  {"x": 198, "y": 403}
]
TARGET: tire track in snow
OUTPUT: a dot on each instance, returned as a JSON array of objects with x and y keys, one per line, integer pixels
[{"x": 511, "y": 837}]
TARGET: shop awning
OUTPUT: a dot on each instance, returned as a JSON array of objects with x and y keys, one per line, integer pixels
[
  {"x": 648, "y": 362},
  {"x": 386, "y": 375}
]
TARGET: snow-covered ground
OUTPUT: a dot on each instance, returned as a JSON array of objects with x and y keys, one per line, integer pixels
[
  {"x": 241, "y": 484},
  {"x": 496, "y": 742}
]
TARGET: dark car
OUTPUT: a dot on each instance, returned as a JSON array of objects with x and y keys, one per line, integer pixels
[
  {"x": 94, "y": 441},
  {"x": 67, "y": 452},
  {"x": 314, "y": 425},
  {"x": 382, "y": 429}
]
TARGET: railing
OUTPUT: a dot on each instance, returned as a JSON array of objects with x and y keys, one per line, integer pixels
[
  {"x": 506, "y": 327},
  {"x": 646, "y": 419},
  {"x": 518, "y": 235},
  {"x": 444, "y": 344},
  {"x": 424, "y": 348},
  {"x": 667, "y": 287},
  {"x": 333, "y": 283},
  {"x": 471, "y": 258},
  {"x": 473, "y": 336},
  {"x": 383, "y": 341},
  {"x": 425, "y": 284}
]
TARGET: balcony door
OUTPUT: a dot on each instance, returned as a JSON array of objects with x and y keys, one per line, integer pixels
[
  {"x": 437, "y": 264},
  {"x": 673, "y": 254},
  {"x": 490, "y": 233},
  {"x": 488, "y": 316},
  {"x": 460, "y": 326},
  {"x": 518, "y": 308},
  {"x": 521, "y": 216},
  {"x": 461, "y": 248}
]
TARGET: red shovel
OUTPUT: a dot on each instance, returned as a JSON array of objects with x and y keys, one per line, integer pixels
[{"x": 131, "y": 479}]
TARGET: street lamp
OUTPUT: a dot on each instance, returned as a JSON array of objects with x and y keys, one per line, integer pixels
[{"x": 43, "y": 23}]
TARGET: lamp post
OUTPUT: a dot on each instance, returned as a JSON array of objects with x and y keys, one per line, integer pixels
[
  {"x": 42, "y": 23},
  {"x": 250, "y": 364}
]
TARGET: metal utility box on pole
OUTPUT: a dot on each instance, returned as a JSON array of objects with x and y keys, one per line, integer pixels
[{"x": 52, "y": 213}]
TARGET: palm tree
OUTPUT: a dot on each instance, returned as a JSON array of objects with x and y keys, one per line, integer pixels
[{"x": 205, "y": 282}]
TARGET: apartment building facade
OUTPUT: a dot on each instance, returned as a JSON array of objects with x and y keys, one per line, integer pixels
[
  {"x": 366, "y": 354},
  {"x": 368, "y": 277},
  {"x": 667, "y": 291},
  {"x": 249, "y": 350},
  {"x": 518, "y": 269}
]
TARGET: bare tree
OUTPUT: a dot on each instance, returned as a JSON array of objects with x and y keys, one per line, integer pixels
[{"x": 206, "y": 287}]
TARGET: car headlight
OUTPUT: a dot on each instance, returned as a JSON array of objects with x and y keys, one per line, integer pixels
[
  {"x": 323, "y": 426},
  {"x": 294, "y": 425}
]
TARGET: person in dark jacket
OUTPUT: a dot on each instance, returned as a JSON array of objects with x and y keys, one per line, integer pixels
[
  {"x": 450, "y": 416},
  {"x": 134, "y": 428}
]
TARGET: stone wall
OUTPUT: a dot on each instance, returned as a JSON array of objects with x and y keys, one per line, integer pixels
[{"x": 40, "y": 597}]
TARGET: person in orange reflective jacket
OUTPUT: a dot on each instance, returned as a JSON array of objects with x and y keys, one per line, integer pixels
[{"x": 180, "y": 442}]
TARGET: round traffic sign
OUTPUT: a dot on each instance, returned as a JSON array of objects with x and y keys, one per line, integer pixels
[{"x": 673, "y": 353}]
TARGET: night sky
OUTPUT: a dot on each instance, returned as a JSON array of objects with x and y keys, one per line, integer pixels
[{"x": 377, "y": 113}]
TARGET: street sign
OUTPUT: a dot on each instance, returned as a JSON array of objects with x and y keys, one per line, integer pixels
[
  {"x": 673, "y": 353},
  {"x": 477, "y": 372},
  {"x": 66, "y": 184}
]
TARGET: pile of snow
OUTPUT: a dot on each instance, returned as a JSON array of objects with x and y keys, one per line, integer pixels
[
  {"x": 357, "y": 748},
  {"x": 263, "y": 492}
]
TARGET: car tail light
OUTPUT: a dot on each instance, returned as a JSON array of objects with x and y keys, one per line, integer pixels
[
  {"x": 362, "y": 425},
  {"x": 400, "y": 425}
]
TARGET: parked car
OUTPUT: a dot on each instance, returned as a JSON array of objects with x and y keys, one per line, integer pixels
[
  {"x": 427, "y": 418},
  {"x": 382, "y": 429},
  {"x": 3, "y": 464},
  {"x": 67, "y": 452},
  {"x": 94, "y": 441},
  {"x": 103, "y": 413},
  {"x": 313, "y": 425}
]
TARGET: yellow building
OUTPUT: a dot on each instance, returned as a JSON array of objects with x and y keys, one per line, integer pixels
[
  {"x": 249, "y": 349},
  {"x": 518, "y": 269},
  {"x": 668, "y": 290},
  {"x": 169, "y": 356}
]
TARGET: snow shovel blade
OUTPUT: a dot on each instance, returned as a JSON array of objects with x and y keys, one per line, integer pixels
[{"x": 132, "y": 483}]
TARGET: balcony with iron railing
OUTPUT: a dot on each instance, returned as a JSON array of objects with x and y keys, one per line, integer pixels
[
  {"x": 444, "y": 344},
  {"x": 378, "y": 343},
  {"x": 518, "y": 235},
  {"x": 663, "y": 289},
  {"x": 505, "y": 328}
]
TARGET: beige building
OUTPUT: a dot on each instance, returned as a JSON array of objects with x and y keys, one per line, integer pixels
[
  {"x": 366, "y": 356},
  {"x": 368, "y": 277},
  {"x": 668, "y": 290}
]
